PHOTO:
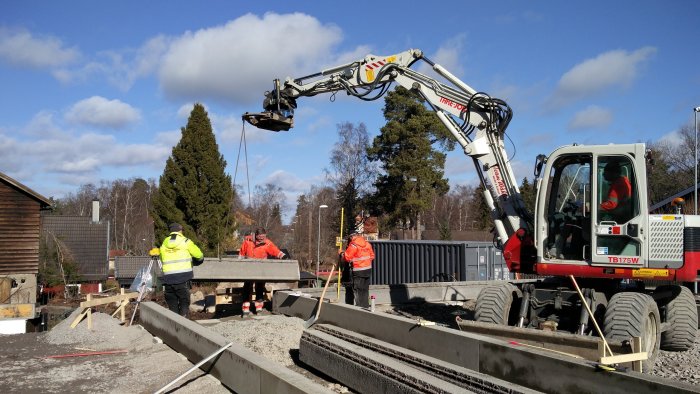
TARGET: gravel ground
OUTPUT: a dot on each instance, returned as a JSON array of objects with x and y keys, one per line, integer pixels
[
  {"x": 26, "y": 370},
  {"x": 681, "y": 366},
  {"x": 275, "y": 337}
]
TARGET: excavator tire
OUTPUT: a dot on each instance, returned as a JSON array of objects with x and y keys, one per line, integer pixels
[
  {"x": 493, "y": 304},
  {"x": 682, "y": 319},
  {"x": 634, "y": 315}
]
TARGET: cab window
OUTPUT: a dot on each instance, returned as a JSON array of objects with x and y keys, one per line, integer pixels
[{"x": 617, "y": 199}]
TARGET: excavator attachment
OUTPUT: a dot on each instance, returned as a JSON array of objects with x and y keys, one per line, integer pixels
[
  {"x": 269, "y": 120},
  {"x": 279, "y": 106}
]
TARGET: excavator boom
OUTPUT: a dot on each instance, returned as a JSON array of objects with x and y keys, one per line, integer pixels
[{"x": 475, "y": 120}]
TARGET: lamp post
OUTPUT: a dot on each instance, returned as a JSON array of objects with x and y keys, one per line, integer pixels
[
  {"x": 695, "y": 195},
  {"x": 318, "y": 245}
]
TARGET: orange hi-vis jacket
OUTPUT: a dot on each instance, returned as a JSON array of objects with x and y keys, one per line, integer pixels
[
  {"x": 264, "y": 250},
  {"x": 247, "y": 246},
  {"x": 360, "y": 253},
  {"x": 620, "y": 192}
]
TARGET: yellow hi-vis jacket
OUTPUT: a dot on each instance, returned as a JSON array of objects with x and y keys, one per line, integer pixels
[{"x": 176, "y": 255}]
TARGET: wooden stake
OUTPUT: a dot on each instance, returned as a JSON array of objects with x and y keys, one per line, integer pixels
[{"x": 595, "y": 323}]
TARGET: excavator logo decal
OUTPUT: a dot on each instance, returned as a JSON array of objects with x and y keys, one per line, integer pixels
[
  {"x": 623, "y": 260},
  {"x": 498, "y": 181},
  {"x": 451, "y": 104},
  {"x": 370, "y": 67}
]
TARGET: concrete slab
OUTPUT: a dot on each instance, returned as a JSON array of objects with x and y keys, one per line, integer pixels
[
  {"x": 398, "y": 364},
  {"x": 366, "y": 371},
  {"x": 532, "y": 368},
  {"x": 417, "y": 292},
  {"x": 579, "y": 345},
  {"x": 240, "y": 369},
  {"x": 233, "y": 269}
]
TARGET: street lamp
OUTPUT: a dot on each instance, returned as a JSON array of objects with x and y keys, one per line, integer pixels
[
  {"x": 318, "y": 245},
  {"x": 695, "y": 196}
]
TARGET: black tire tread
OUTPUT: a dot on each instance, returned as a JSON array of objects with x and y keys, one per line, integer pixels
[
  {"x": 493, "y": 304},
  {"x": 682, "y": 319},
  {"x": 625, "y": 317}
]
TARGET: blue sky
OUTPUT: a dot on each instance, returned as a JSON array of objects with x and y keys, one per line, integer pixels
[{"x": 97, "y": 91}]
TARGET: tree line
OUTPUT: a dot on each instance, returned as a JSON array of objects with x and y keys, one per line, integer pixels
[{"x": 398, "y": 176}]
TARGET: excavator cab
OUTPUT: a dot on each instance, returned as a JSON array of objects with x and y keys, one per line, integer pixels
[{"x": 592, "y": 206}]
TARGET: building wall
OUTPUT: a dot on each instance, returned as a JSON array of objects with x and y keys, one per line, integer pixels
[{"x": 19, "y": 232}]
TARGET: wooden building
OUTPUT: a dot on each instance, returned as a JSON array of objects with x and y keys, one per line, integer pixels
[{"x": 20, "y": 209}]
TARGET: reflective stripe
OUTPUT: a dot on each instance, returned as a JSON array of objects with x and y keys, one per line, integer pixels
[
  {"x": 177, "y": 266},
  {"x": 362, "y": 268},
  {"x": 361, "y": 258}
]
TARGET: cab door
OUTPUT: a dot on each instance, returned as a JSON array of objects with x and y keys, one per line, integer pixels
[{"x": 618, "y": 210}]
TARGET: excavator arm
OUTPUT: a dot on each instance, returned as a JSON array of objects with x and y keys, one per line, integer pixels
[{"x": 476, "y": 121}]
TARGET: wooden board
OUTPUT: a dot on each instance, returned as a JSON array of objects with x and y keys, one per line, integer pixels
[{"x": 17, "y": 311}]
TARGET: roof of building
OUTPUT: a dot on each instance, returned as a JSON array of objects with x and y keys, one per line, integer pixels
[
  {"x": 668, "y": 200},
  {"x": 45, "y": 202}
]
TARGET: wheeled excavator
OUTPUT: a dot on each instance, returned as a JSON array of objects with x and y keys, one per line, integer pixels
[{"x": 615, "y": 249}]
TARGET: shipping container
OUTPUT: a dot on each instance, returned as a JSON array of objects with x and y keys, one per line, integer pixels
[{"x": 398, "y": 262}]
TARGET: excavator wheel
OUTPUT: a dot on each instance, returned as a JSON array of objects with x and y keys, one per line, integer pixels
[
  {"x": 493, "y": 304},
  {"x": 682, "y": 319},
  {"x": 634, "y": 315}
]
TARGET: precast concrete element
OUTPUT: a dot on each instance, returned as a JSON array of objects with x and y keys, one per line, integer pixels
[
  {"x": 578, "y": 345},
  {"x": 368, "y": 365},
  {"x": 233, "y": 269},
  {"x": 532, "y": 368},
  {"x": 238, "y": 368},
  {"x": 420, "y": 292}
]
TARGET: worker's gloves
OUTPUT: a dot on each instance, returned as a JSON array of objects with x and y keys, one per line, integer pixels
[{"x": 196, "y": 262}]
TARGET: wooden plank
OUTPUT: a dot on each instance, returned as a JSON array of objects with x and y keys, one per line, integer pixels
[
  {"x": 624, "y": 358},
  {"x": 89, "y": 312},
  {"x": 17, "y": 311},
  {"x": 79, "y": 318},
  {"x": 106, "y": 300},
  {"x": 637, "y": 348}
]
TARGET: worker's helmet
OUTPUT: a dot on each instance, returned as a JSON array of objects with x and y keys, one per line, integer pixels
[
  {"x": 612, "y": 171},
  {"x": 260, "y": 233}
]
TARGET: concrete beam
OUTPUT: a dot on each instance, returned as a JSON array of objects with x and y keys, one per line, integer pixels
[
  {"x": 368, "y": 365},
  {"x": 233, "y": 270},
  {"x": 419, "y": 292},
  {"x": 240, "y": 369},
  {"x": 579, "y": 345},
  {"x": 532, "y": 368}
]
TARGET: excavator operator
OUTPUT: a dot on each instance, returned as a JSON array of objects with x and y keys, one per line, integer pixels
[{"x": 617, "y": 202}]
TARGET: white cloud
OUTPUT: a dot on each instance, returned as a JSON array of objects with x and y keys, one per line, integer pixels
[
  {"x": 21, "y": 48},
  {"x": 169, "y": 138},
  {"x": 121, "y": 68},
  {"x": 237, "y": 61},
  {"x": 672, "y": 139},
  {"x": 611, "y": 69},
  {"x": 101, "y": 112},
  {"x": 448, "y": 56},
  {"x": 42, "y": 125},
  {"x": 590, "y": 118}
]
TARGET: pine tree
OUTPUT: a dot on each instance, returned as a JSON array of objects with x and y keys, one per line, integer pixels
[
  {"x": 413, "y": 167},
  {"x": 482, "y": 212},
  {"x": 528, "y": 194},
  {"x": 194, "y": 189}
]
